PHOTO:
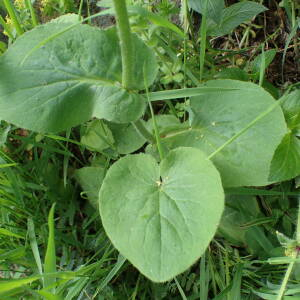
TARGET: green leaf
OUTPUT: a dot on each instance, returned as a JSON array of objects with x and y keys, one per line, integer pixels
[
  {"x": 154, "y": 18},
  {"x": 56, "y": 80},
  {"x": 165, "y": 124},
  {"x": 218, "y": 117},
  {"x": 235, "y": 15},
  {"x": 238, "y": 210},
  {"x": 8, "y": 285},
  {"x": 214, "y": 8},
  {"x": 97, "y": 136},
  {"x": 291, "y": 109},
  {"x": 286, "y": 161},
  {"x": 269, "y": 56},
  {"x": 127, "y": 139},
  {"x": 90, "y": 179},
  {"x": 67, "y": 18},
  {"x": 233, "y": 73},
  {"x": 162, "y": 217}
]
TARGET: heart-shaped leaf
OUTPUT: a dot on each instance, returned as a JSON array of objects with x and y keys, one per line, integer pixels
[
  {"x": 162, "y": 217},
  {"x": 70, "y": 78},
  {"x": 218, "y": 117}
]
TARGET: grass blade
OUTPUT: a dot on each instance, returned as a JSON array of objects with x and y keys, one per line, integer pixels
[
  {"x": 8, "y": 285},
  {"x": 183, "y": 296},
  {"x": 50, "y": 257},
  {"x": 187, "y": 92},
  {"x": 34, "y": 246},
  {"x": 120, "y": 262}
]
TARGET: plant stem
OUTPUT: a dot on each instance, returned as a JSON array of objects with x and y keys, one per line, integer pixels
[
  {"x": 11, "y": 12},
  {"x": 291, "y": 264},
  {"x": 125, "y": 42},
  {"x": 29, "y": 6},
  {"x": 203, "y": 39},
  {"x": 298, "y": 227},
  {"x": 286, "y": 278},
  {"x": 156, "y": 131},
  {"x": 262, "y": 66}
]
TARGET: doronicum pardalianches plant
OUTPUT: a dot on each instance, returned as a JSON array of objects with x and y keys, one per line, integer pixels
[{"x": 160, "y": 208}]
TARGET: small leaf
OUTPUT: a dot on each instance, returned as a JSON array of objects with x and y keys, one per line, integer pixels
[
  {"x": 235, "y": 15},
  {"x": 291, "y": 109},
  {"x": 165, "y": 124},
  {"x": 233, "y": 73},
  {"x": 162, "y": 217},
  {"x": 90, "y": 179},
  {"x": 269, "y": 56},
  {"x": 286, "y": 161},
  {"x": 127, "y": 139},
  {"x": 97, "y": 136}
]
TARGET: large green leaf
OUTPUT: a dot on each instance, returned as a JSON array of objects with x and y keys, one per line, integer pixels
[
  {"x": 235, "y": 15},
  {"x": 70, "y": 78},
  {"x": 286, "y": 161},
  {"x": 218, "y": 117},
  {"x": 162, "y": 217}
]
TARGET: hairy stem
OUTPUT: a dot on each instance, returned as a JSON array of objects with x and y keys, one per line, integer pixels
[{"x": 125, "y": 42}]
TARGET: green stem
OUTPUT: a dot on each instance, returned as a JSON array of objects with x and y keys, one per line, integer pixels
[
  {"x": 34, "y": 20},
  {"x": 291, "y": 264},
  {"x": 286, "y": 278},
  {"x": 298, "y": 227},
  {"x": 125, "y": 42},
  {"x": 156, "y": 131},
  {"x": 142, "y": 130},
  {"x": 11, "y": 12},
  {"x": 203, "y": 40},
  {"x": 262, "y": 66}
]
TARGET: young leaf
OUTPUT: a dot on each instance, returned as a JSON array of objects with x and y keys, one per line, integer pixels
[
  {"x": 291, "y": 109},
  {"x": 97, "y": 136},
  {"x": 286, "y": 161},
  {"x": 269, "y": 56},
  {"x": 235, "y": 15},
  {"x": 218, "y": 117},
  {"x": 162, "y": 217},
  {"x": 90, "y": 179},
  {"x": 127, "y": 139},
  {"x": 54, "y": 83}
]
